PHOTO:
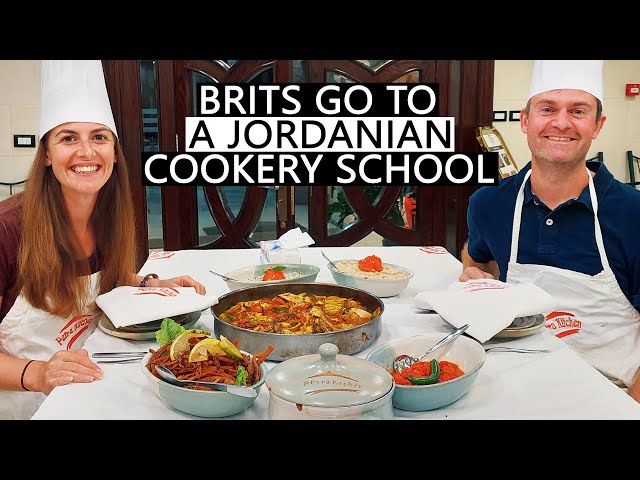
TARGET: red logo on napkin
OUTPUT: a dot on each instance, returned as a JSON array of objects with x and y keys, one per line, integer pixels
[
  {"x": 435, "y": 250},
  {"x": 159, "y": 255},
  {"x": 563, "y": 324},
  {"x": 73, "y": 329},
  {"x": 162, "y": 291},
  {"x": 476, "y": 286}
]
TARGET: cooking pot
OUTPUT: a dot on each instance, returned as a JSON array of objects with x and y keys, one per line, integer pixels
[
  {"x": 327, "y": 385},
  {"x": 286, "y": 346}
]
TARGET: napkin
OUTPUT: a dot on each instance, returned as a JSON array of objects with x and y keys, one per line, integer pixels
[
  {"x": 488, "y": 306},
  {"x": 285, "y": 249},
  {"x": 296, "y": 238},
  {"x": 133, "y": 305}
]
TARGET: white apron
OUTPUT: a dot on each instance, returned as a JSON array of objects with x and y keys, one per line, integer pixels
[
  {"x": 27, "y": 332},
  {"x": 593, "y": 315}
]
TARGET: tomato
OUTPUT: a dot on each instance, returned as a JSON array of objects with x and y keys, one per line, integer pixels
[
  {"x": 271, "y": 274},
  {"x": 372, "y": 263}
]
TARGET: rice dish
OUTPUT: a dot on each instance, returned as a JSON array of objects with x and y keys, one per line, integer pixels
[{"x": 350, "y": 267}]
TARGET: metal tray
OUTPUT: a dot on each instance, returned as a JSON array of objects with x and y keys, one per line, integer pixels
[{"x": 349, "y": 341}]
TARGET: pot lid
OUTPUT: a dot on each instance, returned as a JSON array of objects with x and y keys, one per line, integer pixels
[{"x": 327, "y": 379}]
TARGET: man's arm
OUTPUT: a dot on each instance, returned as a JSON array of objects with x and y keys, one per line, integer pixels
[{"x": 472, "y": 269}]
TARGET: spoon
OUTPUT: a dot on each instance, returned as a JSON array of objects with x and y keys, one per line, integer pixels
[
  {"x": 228, "y": 279},
  {"x": 168, "y": 375},
  {"x": 405, "y": 361},
  {"x": 514, "y": 349},
  {"x": 330, "y": 261}
]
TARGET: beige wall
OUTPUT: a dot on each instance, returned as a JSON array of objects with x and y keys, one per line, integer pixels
[
  {"x": 20, "y": 102},
  {"x": 19, "y": 114},
  {"x": 620, "y": 133}
]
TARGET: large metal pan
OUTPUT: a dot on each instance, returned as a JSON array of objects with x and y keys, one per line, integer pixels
[{"x": 349, "y": 341}]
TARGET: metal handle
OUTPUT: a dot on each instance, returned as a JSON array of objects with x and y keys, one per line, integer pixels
[
  {"x": 117, "y": 354},
  {"x": 452, "y": 336},
  {"x": 121, "y": 360}
]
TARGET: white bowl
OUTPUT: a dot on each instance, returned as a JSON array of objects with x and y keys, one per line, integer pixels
[
  {"x": 252, "y": 276},
  {"x": 202, "y": 403},
  {"x": 380, "y": 287},
  {"x": 467, "y": 353}
]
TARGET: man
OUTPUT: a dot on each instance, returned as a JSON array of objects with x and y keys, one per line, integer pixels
[{"x": 566, "y": 226}]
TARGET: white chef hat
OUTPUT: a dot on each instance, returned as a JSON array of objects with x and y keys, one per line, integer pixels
[
  {"x": 74, "y": 91},
  {"x": 567, "y": 74}
]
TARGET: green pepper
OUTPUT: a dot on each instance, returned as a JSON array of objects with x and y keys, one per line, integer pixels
[{"x": 433, "y": 378}]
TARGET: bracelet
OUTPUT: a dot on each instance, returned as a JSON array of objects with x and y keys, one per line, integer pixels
[
  {"x": 146, "y": 278},
  {"x": 22, "y": 376}
]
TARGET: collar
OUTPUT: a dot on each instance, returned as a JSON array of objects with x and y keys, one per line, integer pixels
[{"x": 602, "y": 180}]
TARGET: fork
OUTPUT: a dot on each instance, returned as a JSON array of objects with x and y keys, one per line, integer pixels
[
  {"x": 126, "y": 357},
  {"x": 516, "y": 350}
]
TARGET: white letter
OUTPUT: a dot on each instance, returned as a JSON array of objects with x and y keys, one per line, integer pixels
[
  {"x": 269, "y": 89},
  {"x": 291, "y": 169},
  {"x": 448, "y": 168},
  {"x": 404, "y": 168},
  {"x": 396, "y": 96},
  {"x": 147, "y": 168},
  {"x": 432, "y": 99},
  {"x": 333, "y": 101},
  {"x": 194, "y": 166},
  {"x": 362, "y": 165},
  {"x": 262, "y": 168},
  {"x": 311, "y": 168},
  {"x": 416, "y": 168},
  {"x": 229, "y": 99},
  {"x": 347, "y": 99},
  {"x": 349, "y": 170},
  {"x": 239, "y": 168},
  {"x": 481, "y": 178},
  {"x": 225, "y": 168},
  {"x": 294, "y": 101},
  {"x": 208, "y": 94}
]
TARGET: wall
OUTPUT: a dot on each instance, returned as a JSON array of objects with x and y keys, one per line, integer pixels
[
  {"x": 19, "y": 114},
  {"x": 621, "y": 131}
]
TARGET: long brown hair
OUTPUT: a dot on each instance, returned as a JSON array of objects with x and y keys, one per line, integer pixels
[{"x": 51, "y": 271}]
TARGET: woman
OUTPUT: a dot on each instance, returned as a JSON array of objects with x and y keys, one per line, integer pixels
[{"x": 67, "y": 238}]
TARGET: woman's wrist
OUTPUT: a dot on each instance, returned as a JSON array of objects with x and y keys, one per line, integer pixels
[{"x": 30, "y": 373}]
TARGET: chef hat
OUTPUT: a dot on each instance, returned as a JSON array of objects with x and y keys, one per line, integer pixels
[
  {"x": 74, "y": 91},
  {"x": 567, "y": 74}
]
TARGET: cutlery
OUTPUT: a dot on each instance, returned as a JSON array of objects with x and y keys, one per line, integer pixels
[
  {"x": 405, "y": 361},
  {"x": 117, "y": 354},
  {"x": 330, "y": 261},
  {"x": 516, "y": 350},
  {"x": 228, "y": 279},
  {"x": 121, "y": 360},
  {"x": 168, "y": 376}
]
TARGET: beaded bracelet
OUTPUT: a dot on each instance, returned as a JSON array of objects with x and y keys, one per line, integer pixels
[
  {"x": 146, "y": 278},
  {"x": 22, "y": 376}
]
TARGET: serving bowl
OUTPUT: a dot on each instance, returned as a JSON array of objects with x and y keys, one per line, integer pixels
[
  {"x": 371, "y": 282},
  {"x": 201, "y": 403},
  {"x": 349, "y": 341},
  {"x": 467, "y": 353},
  {"x": 252, "y": 276}
]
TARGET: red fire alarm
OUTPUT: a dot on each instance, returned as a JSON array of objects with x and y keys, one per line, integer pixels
[{"x": 633, "y": 89}]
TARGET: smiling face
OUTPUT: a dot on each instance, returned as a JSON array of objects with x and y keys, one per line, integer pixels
[
  {"x": 560, "y": 126},
  {"x": 81, "y": 156}
]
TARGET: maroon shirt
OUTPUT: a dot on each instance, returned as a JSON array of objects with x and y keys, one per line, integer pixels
[{"x": 10, "y": 236}]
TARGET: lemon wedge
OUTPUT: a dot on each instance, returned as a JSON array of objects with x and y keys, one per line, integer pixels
[
  {"x": 180, "y": 344},
  {"x": 229, "y": 348},
  {"x": 203, "y": 348}
]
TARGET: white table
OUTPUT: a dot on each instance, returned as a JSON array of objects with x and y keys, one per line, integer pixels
[{"x": 557, "y": 385}]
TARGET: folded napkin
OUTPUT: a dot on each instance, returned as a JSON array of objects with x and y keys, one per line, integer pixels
[
  {"x": 488, "y": 306},
  {"x": 133, "y": 305}
]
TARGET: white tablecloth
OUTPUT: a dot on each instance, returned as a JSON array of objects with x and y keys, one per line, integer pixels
[{"x": 557, "y": 385}]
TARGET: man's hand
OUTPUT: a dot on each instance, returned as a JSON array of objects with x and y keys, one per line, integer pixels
[{"x": 472, "y": 273}]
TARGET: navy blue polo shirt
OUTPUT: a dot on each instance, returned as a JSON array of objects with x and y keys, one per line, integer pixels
[{"x": 564, "y": 237}]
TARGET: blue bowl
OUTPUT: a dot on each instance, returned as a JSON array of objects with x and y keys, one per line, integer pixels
[{"x": 464, "y": 351}]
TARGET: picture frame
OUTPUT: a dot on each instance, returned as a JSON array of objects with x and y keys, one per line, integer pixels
[
  {"x": 499, "y": 115},
  {"x": 514, "y": 115},
  {"x": 491, "y": 141}
]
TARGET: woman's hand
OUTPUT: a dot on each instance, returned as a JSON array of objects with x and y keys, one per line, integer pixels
[
  {"x": 183, "y": 281},
  {"x": 64, "y": 367}
]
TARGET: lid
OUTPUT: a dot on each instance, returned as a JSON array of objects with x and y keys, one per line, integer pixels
[{"x": 328, "y": 379}]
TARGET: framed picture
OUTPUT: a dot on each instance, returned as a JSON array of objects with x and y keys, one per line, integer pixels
[
  {"x": 514, "y": 115},
  {"x": 491, "y": 141},
  {"x": 499, "y": 115}
]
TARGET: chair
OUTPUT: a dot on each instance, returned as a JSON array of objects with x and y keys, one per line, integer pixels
[
  {"x": 598, "y": 158},
  {"x": 634, "y": 168},
  {"x": 10, "y": 185}
]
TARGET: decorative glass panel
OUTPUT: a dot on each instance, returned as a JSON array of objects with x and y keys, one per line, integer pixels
[
  {"x": 374, "y": 64},
  {"x": 411, "y": 77},
  {"x": 336, "y": 77}
]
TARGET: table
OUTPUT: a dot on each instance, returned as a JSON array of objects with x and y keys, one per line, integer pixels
[{"x": 557, "y": 385}]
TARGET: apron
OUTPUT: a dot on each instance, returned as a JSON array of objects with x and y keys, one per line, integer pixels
[
  {"x": 593, "y": 315},
  {"x": 27, "y": 332}
]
